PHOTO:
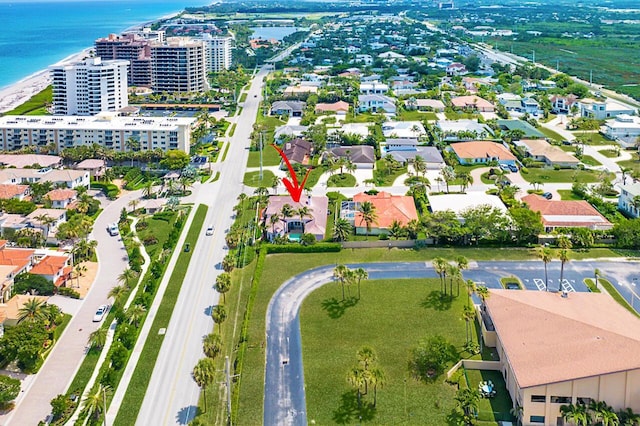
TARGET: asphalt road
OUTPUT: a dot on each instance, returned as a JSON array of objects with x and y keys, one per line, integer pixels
[
  {"x": 284, "y": 393},
  {"x": 64, "y": 360},
  {"x": 172, "y": 395}
]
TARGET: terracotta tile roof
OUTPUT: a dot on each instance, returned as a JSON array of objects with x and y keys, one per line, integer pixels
[
  {"x": 555, "y": 339},
  {"x": 334, "y": 107},
  {"x": 480, "y": 149},
  {"x": 61, "y": 194},
  {"x": 66, "y": 275},
  {"x": 557, "y": 213},
  {"x": 16, "y": 257},
  {"x": 471, "y": 101},
  {"x": 8, "y": 191},
  {"x": 49, "y": 265},
  {"x": 542, "y": 148},
  {"x": 388, "y": 208}
]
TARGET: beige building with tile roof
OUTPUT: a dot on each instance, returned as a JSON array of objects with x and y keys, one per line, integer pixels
[
  {"x": 541, "y": 150},
  {"x": 557, "y": 350}
]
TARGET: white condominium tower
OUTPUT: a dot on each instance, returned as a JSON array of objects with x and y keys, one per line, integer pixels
[
  {"x": 178, "y": 65},
  {"x": 89, "y": 87},
  {"x": 217, "y": 52}
]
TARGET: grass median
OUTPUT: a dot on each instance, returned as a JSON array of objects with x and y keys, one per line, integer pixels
[{"x": 140, "y": 380}]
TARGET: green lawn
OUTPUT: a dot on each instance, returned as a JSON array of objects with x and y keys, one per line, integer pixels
[
  {"x": 460, "y": 115},
  {"x": 364, "y": 117},
  {"x": 610, "y": 153},
  {"x": 634, "y": 165},
  {"x": 559, "y": 176},
  {"x": 270, "y": 157},
  {"x": 593, "y": 138},
  {"x": 404, "y": 312},
  {"x": 243, "y": 97},
  {"x": 567, "y": 194},
  {"x": 36, "y": 105},
  {"x": 616, "y": 295},
  {"x": 253, "y": 179},
  {"x": 405, "y": 115},
  {"x": 383, "y": 177},
  {"x": 590, "y": 161},
  {"x": 590, "y": 283},
  {"x": 551, "y": 134},
  {"x": 159, "y": 229},
  {"x": 314, "y": 177},
  {"x": 342, "y": 180},
  {"x": 496, "y": 408},
  {"x": 142, "y": 373}
]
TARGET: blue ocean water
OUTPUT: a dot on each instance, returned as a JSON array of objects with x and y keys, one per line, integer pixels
[{"x": 37, "y": 34}]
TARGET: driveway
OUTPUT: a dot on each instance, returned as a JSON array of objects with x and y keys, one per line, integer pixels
[
  {"x": 64, "y": 360},
  {"x": 284, "y": 392}
]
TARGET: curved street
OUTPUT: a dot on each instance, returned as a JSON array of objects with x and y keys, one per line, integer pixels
[{"x": 284, "y": 391}]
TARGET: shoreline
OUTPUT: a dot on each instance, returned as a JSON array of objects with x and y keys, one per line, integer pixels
[{"x": 18, "y": 93}]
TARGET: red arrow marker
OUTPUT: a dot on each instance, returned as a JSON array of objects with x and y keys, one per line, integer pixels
[{"x": 294, "y": 190}]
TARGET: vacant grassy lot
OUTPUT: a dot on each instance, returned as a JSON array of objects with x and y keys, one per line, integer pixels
[
  {"x": 559, "y": 176},
  {"x": 610, "y": 153},
  {"x": 590, "y": 161},
  {"x": 253, "y": 179},
  {"x": 551, "y": 134},
  {"x": 155, "y": 228},
  {"x": 392, "y": 317},
  {"x": 342, "y": 180},
  {"x": 270, "y": 157},
  {"x": 404, "y": 115}
]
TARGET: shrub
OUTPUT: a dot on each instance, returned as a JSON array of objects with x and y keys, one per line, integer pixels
[
  {"x": 296, "y": 248},
  {"x": 9, "y": 389},
  {"x": 431, "y": 357},
  {"x": 127, "y": 335},
  {"x": 149, "y": 240},
  {"x": 119, "y": 355},
  {"x": 69, "y": 292},
  {"x": 34, "y": 284}
]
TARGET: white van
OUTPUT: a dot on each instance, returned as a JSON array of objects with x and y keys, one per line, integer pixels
[{"x": 112, "y": 229}]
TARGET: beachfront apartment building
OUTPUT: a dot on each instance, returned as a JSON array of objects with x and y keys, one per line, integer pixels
[
  {"x": 107, "y": 130},
  {"x": 178, "y": 65},
  {"x": 217, "y": 51},
  {"x": 89, "y": 87},
  {"x": 130, "y": 47}
]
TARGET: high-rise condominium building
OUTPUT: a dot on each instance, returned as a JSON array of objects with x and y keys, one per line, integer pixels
[
  {"x": 217, "y": 52},
  {"x": 89, "y": 87},
  {"x": 132, "y": 48},
  {"x": 178, "y": 65}
]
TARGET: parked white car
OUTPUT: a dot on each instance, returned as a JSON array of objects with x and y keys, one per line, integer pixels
[
  {"x": 100, "y": 313},
  {"x": 112, "y": 229}
]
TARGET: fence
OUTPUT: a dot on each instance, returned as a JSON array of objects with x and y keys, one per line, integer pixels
[{"x": 385, "y": 243}]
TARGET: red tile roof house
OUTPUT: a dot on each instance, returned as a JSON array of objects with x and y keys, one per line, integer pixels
[
  {"x": 566, "y": 214},
  {"x": 315, "y": 223},
  {"x": 19, "y": 192},
  {"x": 54, "y": 268},
  {"x": 13, "y": 261},
  {"x": 482, "y": 152},
  {"x": 340, "y": 107},
  {"x": 474, "y": 103},
  {"x": 388, "y": 208},
  {"x": 61, "y": 198}
]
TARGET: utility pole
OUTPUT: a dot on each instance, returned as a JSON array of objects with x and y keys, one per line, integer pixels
[
  {"x": 557, "y": 65},
  {"x": 534, "y": 57},
  {"x": 590, "y": 77},
  {"x": 228, "y": 377},
  {"x": 261, "y": 136}
]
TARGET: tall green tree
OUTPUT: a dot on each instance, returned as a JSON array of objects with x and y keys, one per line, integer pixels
[
  {"x": 223, "y": 285},
  {"x": 98, "y": 338},
  {"x": 33, "y": 310},
  {"x": 368, "y": 214},
  {"x": 341, "y": 230},
  {"x": 440, "y": 266},
  {"x": 545, "y": 254},
  {"x": 204, "y": 374},
  {"x": 212, "y": 345},
  {"x": 93, "y": 404}
]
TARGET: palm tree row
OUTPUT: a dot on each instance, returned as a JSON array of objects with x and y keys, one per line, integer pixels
[
  {"x": 349, "y": 277},
  {"x": 366, "y": 374},
  {"x": 546, "y": 254},
  {"x": 454, "y": 270},
  {"x": 598, "y": 412}
]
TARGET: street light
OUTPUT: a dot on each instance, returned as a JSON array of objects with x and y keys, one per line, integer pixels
[{"x": 633, "y": 293}]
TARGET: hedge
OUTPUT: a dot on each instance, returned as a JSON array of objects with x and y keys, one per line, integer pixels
[
  {"x": 109, "y": 189},
  {"x": 297, "y": 248}
]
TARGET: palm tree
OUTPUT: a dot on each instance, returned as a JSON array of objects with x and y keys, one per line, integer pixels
[
  {"x": 377, "y": 379},
  {"x": 609, "y": 418},
  {"x": 286, "y": 212},
  {"x": 84, "y": 203},
  {"x": 117, "y": 292},
  {"x": 98, "y": 338},
  {"x": 204, "y": 373},
  {"x": 212, "y": 345},
  {"x": 93, "y": 404},
  {"x": 147, "y": 190},
  {"x": 303, "y": 212},
  {"x": 134, "y": 204},
  {"x": 468, "y": 400},
  {"x": 135, "y": 313},
  {"x": 274, "y": 184},
  {"x": 454, "y": 274},
  {"x": 223, "y": 284},
  {"x": 46, "y": 221},
  {"x": 628, "y": 418},
  {"x": 32, "y": 311},
  {"x": 340, "y": 273},
  {"x": 465, "y": 180},
  {"x": 440, "y": 265},
  {"x": 448, "y": 174},
  {"x": 360, "y": 274},
  {"x": 218, "y": 315},
  {"x": 576, "y": 414},
  {"x": 341, "y": 230},
  {"x": 546, "y": 255},
  {"x": 369, "y": 216},
  {"x": 468, "y": 314},
  {"x": 419, "y": 165},
  {"x": 357, "y": 377},
  {"x": 563, "y": 255},
  {"x": 185, "y": 183},
  {"x": 471, "y": 287},
  {"x": 462, "y": 263},
  {"x": 127, "y": 276}
]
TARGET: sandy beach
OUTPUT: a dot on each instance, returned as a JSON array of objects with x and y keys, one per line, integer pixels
[{"x": 20, "y": 92}]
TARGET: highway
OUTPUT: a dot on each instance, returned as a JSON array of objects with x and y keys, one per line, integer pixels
[
  {"x": 172, "y": 395},
  {"x": 284, "y": 390}
]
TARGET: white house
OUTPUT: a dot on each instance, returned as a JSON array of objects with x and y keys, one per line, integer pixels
[
  {"x": 626, "y": 201},
  {"x": 376, "y": 103}
]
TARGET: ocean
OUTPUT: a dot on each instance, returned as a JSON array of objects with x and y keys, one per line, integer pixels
[{"x": 38, "y": 34}]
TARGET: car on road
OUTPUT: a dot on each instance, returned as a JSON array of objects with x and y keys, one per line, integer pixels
[
  {"x": 504, "y": 167},
  {"x": 513, "y": 168},
  {"x": 547, "y": 195},
  {"x": 209, "y": 230},
  {"x": 100, "y": 313},
  {"x": 112, "y": 229}
]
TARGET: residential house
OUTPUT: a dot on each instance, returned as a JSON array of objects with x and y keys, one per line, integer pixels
[
  {"x": 434, "y": 105},
  {"x": 56, "y": 269},
  {"x": 601, "y": 110},
  {"x": 10, "y": 310},
  {"x": 566, "y": 214},
  {"x": 453, "y": 130},
  {"x": 57, "y": 216},
  {"x": 459, "y": 203},
  {"x": 94, "y": 166},
  {"x": 19, "y": 259},
  {"x": 339, "y": 107},
  {"x": 563, "y": 104},
  {"x": 629, "y": 201},
  {"x": 473, "y": 103},
  {"x": 298, "y": 151},
  {"x": 391, "y": 57},
  {"x": 69, "y": 178},
  {"x": 456, "y": 68},
  {"x": 288, "y": 131},
  {"x": 388, "y": 208},
  {"x": 293, "y": 227},
  {"x": 363, "y": 59},
  {"x": 299, "y": 91},
  {"x": 528, "y": 130},
  {"x": 362, "y": 156},
  {"x": 290, "y": 108},
  {"x": 541, "y": 150},
  {"x": 530, "y": 106},
  {"x": 546, "y": 85},
  {"x": 61, "y": 198},
  {"x": 624, "y": 128},
  {"x": 482, "y": 152},
  {"x": 373, "y": 88},
  {"x": 403, "y": 129},
  {"x": 7, "y": 275},
  {"x": 9, "y": 191},
  {"x": 406, "y": 150},
  {"x": 20, "y": 161},
  {"x": 376, "y": 103},
  {"x": 564, "y": 348}
]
